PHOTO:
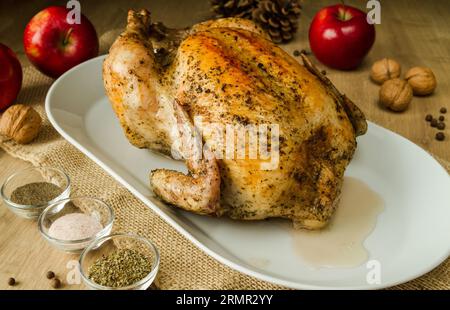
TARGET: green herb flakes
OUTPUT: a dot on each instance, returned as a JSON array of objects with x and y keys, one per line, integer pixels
[{"x": 121, "y": 268}]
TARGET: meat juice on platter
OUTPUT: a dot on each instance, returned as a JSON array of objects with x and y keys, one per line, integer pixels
[{"x": 341, "y": 244}]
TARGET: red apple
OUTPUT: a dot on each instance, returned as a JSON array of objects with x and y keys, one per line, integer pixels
[
  {"x": 340, "y": 36},
  {"x": 54, "y": 46},
  {"x": 10, "y": 77}
]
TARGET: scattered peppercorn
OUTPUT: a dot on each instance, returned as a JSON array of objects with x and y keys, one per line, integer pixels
[
  {"x": 50, "y": 275},
  {"x": 441, "y": 126},
  {"x": 429, "y": 118},
  {"x": 55, "y": 283},
  {"x": 443, "y": 110},
  {"x": 303, "y": 51},
  {"x": 441, "y": 118},
  {"x": 11, "y": 281},
  {"x": 440, "y": 136},
  {"x": 296, "y": 53},
  {"x": 434, "y": 122},
  {"x": 324, "y": 72}
]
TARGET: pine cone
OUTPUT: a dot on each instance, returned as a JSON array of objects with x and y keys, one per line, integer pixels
[
  {"x": 233, "y": 8},
  {"x": 279, "y": 18}
]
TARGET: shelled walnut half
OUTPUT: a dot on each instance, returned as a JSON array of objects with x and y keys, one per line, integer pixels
[{"x": 20, "y": 123}]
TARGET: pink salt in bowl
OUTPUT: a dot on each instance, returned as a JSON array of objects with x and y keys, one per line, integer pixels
[{"x": 72, "y": 224}]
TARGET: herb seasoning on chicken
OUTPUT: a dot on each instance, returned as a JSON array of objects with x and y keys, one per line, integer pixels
[{"x": 228, "y": 72}]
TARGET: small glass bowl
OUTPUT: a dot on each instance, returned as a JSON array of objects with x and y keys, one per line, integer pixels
[
  {"x": 96, "y": 208},
  {"x": 108, "y": 244},
  {"x": 32, "y": 175}
]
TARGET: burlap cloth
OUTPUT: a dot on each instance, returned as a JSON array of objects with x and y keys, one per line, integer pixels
[{"x": 183, "y": 266}]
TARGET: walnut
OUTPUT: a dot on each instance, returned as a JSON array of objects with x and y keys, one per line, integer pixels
[
  {"x": 20, "y": 123},
  {"x": 396, "y": 94},
  {"x": 385, "y": 69},
  {"x": 422, "y": 80}
]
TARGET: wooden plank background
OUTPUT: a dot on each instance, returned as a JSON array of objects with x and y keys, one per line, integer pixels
[{"x": 415, "y": 32}]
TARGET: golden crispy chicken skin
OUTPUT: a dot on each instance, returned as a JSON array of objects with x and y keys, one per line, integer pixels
[{"x": 227, "y": 72}]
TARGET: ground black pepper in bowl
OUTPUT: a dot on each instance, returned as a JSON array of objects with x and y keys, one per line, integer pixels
[
  {"x": 34, "y": 194},
  {"x": 29, "y": 191}
]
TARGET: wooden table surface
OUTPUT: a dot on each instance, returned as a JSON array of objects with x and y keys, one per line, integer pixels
[{"x": 415, "y": 32}]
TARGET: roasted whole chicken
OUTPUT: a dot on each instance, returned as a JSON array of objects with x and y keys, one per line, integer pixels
[{"x": 227, "y": 72}]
